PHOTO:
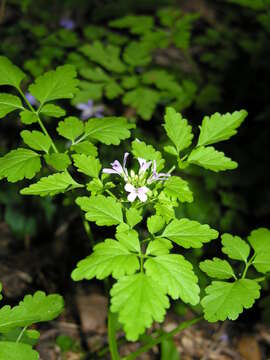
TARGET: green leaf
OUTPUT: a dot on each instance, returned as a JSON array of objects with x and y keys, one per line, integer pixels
[
  {"x": 17, "y": 351},
  {"x": 175, "y": 274},
  {"x": 58, "y": 161},
  {"x": 189, "y": 233},
  {"x": 130, "y": 239},
  {"x": 235, "y": 247},
  {"x": 144, "y": 100},
  {"x": 57, "y": 84},
  {"x": 108, "y": 130},
  {"x": 113, "y": 90},
  {"x": 33, "y": 309},
  {"x": 28, "y": 117},
  {"x": 155, "y": 223},
  {"x": 103, "y": 210},
  {"x": 96, "y": 74},
  {"x": 107, "y": 56},
  {"x": 159, "y": 247},
  {"x": 87, "y": 164},
  {"x": 88, "y": 90},
  {"x": 178, "y": 188},
  {"x": 52, "y": 110},
  {"x": 210, "y": 158},
  {"x": 141, "y": 150},
  {"x": 260, "y": 241},
  {"x": 9, "y": 73},
  {"x": 36, "y": 140},
  {"x": 133, "y": 217},
  {"x": 19, "y": 164},
  {"x": 219, "y": 127},
  {"x": 177, "y": 129},
  {"x": 137, "y": 24},
  {"x": 133, "y": 293},
  {"x": 164, "y": 207},
  {"x": 51, "y": 185},
  {"x": 110, "y": 257},
  {"x": 70, "y": 128},
  {"x": 137, "y": 54},
  {"x": 85, "y": 147},
  {"x": 164, "y": 80},
  {"x": 227, "y": 300},
  {"x": 9, "y": 103},
  {"x": 217, "y": 268}
]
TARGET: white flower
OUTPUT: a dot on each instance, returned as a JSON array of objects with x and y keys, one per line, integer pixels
[{"x": 136, "y": 192}]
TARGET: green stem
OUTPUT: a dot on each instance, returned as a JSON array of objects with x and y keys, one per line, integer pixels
[
  {"x": 39, "y": 120},
  {"x": 159, "y": 339},
  {"x": 247, "y": 265},
  {"x": 112, "y": 321},
  {"x": 21, "y": 334}
]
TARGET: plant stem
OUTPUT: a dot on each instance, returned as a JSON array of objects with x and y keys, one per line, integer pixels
[
  {"x": 247, "y": 265},
  {"x": 162, "y": 337},
  {"x": 39, "y": 120},
  {"x": 112, "y": 336},
  {"x": 21, "y": 334}
]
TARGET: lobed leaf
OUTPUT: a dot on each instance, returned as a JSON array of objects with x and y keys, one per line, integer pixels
[
  {"x": 139, "y": 300},
  {"x": 226, "y": 300},
  {"x": 235, "y": 247},
  {"x": 87, "y": 165},
  {"x": 9, "y": 103},
  {"x": 17, "y": 351},
  {"x": 210, "y": 158},
  {"x": 51, "y": 185},
  {"x": 104, "y": 211},
  {"x": 219, "y": 127},
  {"x": 70, "y": 128},
  {"x": 178, "y": 129},
  {"x": 19, "y": 164},
  {"x": 178, "y": 188},
  {"x": 36, "y": 140},
  {"x": 175, "y": 274},
  {"x": 260, "y": 241},
  {"x": 9, "y": 73},
  {"x": 217, "y": 268},
  {"x": 189, "y": 233}
]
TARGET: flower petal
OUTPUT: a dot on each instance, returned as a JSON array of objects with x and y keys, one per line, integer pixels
[
  {"x": 142, "y": 193},
  {"x": 130, "y": 188},
  {"x": 109, "y": 171},
  {"x": 132, "y": 196}
]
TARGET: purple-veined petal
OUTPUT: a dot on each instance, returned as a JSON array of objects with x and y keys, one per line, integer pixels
[
  {"x": 117, "y": 167},
  {"x": 109, "y": 171},
  {"x": 144, "y": 165}
]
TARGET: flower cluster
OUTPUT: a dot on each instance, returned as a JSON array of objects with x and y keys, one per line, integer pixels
[
  {"x": 136, "y": 183},
  {"x": 89, "y": 110}
]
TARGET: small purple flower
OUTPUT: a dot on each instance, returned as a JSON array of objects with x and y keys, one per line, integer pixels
[
  {"x": 144, "y": 165},
  {"x": 88, "y": 110},
  {"x": 32, "y": 100},
  {"x": 136, "y": 192},
  {"x": 157, "y": 177},
  {"x": 67, "y": 23},
  {"x": 117, "y": 168}
]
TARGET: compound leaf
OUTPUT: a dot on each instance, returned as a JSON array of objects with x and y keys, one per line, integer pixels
[
  {"x": 227, "y": 300},
  {"x": 134, "y": 293},
  {"x": 103, "y": 210},
  {"x": 178, "y": 129},
  {"x": 210, "y": 158},
  {"x": 219, "y": 127},
  {"x": 189, "y": 233},
  {"x": 19, "y": 164},
  {"x": 176, "y": 275}
]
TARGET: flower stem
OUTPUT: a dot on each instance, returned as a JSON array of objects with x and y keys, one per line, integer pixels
[
  {"x": 112, "y": 321},
  {"x": 162, "y": 337},
  {"x": 21, "y": 334}
]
